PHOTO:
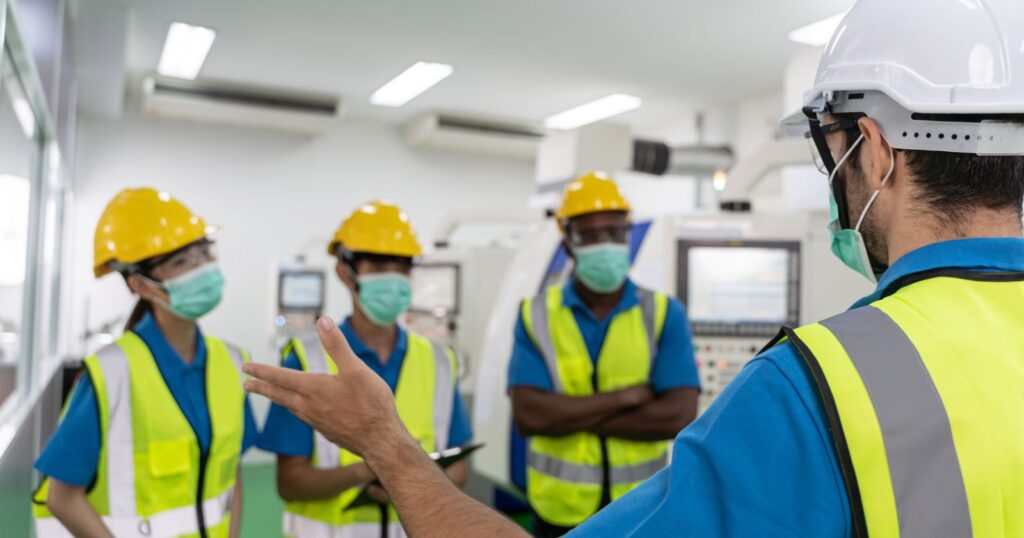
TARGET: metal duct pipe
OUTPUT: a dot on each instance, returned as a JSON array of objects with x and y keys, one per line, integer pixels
[{"x": 659, "y": 159}]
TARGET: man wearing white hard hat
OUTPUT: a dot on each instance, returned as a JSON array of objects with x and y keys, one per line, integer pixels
[{"x": 903, "y": 416}]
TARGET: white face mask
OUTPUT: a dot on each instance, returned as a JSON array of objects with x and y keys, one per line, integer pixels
[{"x": 848, "y": 245}]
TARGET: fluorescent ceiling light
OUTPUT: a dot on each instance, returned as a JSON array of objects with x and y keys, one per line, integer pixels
[
  {"x": 412, "y": 82},
  {"x": 604, "y": 107},
  {"x": 185, "y": 50},
  {"x": 818, "y": 33}
]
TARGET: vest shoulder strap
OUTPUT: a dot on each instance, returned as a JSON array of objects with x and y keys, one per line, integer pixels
[
  {"x": 445, "y": 367},
  {"x": 867, "y": 368},
  {"x": 113, "y": 393},
  {"x": 539, "y": 330}
]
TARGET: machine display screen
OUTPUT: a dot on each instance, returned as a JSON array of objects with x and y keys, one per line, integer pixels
[
  {"x": 301, "y": 290},
  {"x": 742, "y": 288},
  {"x": 435, "y": 288}
]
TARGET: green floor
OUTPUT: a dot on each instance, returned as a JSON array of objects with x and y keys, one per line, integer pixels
[{"x": 261, "y": 515}]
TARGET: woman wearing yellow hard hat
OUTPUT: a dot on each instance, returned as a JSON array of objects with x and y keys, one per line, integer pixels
[
  {"x": 150, "y": 441},
  {"x": 375, "y": 247}
]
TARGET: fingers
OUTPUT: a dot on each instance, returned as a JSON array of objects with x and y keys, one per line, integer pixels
[
  {"x": 335, "y": 344},
  {"x": 283, "y": 397},
  {"x": 285, "y": 378}
]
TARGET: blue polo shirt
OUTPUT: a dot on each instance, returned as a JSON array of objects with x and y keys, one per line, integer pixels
[
  {"x": 285, "y": 434},
  {"x": 73, "y": 452},
  {"x": 674, "y": 365},
  {"x": 760, "y": 460}
]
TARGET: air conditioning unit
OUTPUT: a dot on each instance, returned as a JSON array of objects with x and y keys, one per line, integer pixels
[
  {"x": 245, "y": 106},
  {"x": 474, "y": 135}
]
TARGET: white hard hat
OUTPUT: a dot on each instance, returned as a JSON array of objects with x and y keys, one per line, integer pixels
[{"x": 937, "y": 75}]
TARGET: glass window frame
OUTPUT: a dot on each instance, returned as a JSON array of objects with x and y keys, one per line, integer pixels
[{"x": 40, "y": 340}]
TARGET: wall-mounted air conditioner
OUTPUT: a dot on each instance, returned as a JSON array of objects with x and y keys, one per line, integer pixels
[
  {"x": 474, "y": 135},
  {"x": 240, "y": 105}
]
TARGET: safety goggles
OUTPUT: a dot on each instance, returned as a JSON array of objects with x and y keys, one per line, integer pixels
[
  {"x": 817, "y": 137},
  {"x": 193, "y": 255},
  {"x": 594, "y": 236}
]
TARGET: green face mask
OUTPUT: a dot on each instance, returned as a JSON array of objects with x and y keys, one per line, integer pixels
[
  {"x": 848, "y": 244},
  {"x": 602, "y": 267},
  {"x": 194, "y": 294},
  {"x": 384, "y": 296}
]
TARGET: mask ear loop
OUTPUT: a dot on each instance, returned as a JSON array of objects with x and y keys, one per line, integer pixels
[{"x": 871, "y": 201}]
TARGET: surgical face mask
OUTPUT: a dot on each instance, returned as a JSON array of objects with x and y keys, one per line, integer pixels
[
  {"x": 848, "y": 244},
  {"x": 193, "y": 294},
  {"x": 602, "y": 267},
  {"x": 384, "y": 296}
]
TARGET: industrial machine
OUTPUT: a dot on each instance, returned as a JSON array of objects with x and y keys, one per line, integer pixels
[{"x": 300, "y": 300}]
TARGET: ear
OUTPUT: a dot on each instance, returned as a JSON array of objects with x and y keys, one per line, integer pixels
[
  {"x": 877, "y": 160},
  {"x": 144, "y": 288},
  {"x": 345, "y": 275},
  {"x": 568, "y": 247}
]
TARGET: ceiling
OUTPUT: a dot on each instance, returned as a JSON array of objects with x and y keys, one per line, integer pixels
[{"x": 521, "y": 59}]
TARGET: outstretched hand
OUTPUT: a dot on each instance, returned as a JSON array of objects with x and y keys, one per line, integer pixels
[{"x": 354, "y": 409}]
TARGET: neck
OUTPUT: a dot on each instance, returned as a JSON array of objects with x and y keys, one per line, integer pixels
[
  {"x": 179, "y": 332},
  {"x": 600, "y": 304},
  {"x": 379, "y": 338},
  {"x": 925, "y": 230}
]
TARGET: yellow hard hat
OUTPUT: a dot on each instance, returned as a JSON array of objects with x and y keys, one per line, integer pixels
[
  {"x": 378, "y": 227},
  {"x": 592, "y": 193},
  {"x": 139, "y": 224}
]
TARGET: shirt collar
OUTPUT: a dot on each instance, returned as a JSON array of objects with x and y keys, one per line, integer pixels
[
  {"x": 165, "y": 355},
  {"x": 367, "y": 354},
  {"x": 572, "y": 299},
  {"x": 980, "y": 255}
]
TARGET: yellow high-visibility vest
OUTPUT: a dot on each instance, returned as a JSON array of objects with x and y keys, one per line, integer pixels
[
  {"x": 424, "y": 397},
  {"x": 565, "y": 475},
  {"x": 924, "y": 395},
  {"x": 152, "y": 479}
]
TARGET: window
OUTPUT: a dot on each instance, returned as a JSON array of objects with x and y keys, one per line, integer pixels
[{"x": 18, "y": 127}]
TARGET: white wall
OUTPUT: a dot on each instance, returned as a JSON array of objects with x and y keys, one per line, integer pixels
[{"x": 275, "y": 195}]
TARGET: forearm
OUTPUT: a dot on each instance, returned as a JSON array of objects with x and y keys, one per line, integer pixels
[
  {"x": 236, "y": 506},
  {"x": 426, "y": 498},
  {"x": 71, "y": 507},
  {"x": 658, "y": 420},
  {"x": 554, "y": 415},
  {"x": 458, "y": 473},
  {"x": 298, "y": 480}
]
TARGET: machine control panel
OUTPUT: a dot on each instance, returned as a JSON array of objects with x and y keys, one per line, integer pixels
[{"x": 719, "y": 360}]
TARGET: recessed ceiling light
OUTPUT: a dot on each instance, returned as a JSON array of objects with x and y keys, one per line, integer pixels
[
  {"x": 410, "y": 83},
  {"x": 185, "y": 50},
  {"x": 604, "y": 107},
  {"x": 818, "y": 33}
]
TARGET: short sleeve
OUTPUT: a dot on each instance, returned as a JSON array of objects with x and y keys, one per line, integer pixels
[
  {"x": 675, "y": 365},
  {"x": 283, "y": 432},
  {"x": 72, "y": 454},
  {"x": 527, "y": 367},
  {"x": 460, "y": 432},
  {"x": 758, "y": 462}
]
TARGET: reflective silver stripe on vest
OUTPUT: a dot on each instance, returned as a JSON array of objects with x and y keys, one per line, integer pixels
[
  {"x": 326, "y": 454},
  {"x": 542, "y": 336},
  {"x": 444, "y": 396},
  {"x": 931, "y": 499},
  {"x": 120, "y": 442},
  {"x": 646, "y": 298},
  {"x": 296, "y": 526},
  {"x": 629, "y": 474},
  {"x": 237, "y": 356},
  {"x": 592, "y": 474},
  {"x": 564, "y": 470},
  {"x": 173, "y": 522}
]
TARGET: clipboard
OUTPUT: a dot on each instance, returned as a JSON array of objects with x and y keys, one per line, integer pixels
[{"x": 445, "y": 458}]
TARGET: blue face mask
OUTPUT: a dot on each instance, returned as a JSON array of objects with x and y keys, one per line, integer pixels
[
  {"x": 848, "y": 244},
  {"x": 193, "y": 294},
  {"x": 384, "y": 296},
  {"x": 602, "y": 267}
]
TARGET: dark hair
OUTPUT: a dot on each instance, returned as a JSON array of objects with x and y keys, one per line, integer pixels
[
  {"x": 954, "y": 184},
  {"x": 141, "y": 309}
]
